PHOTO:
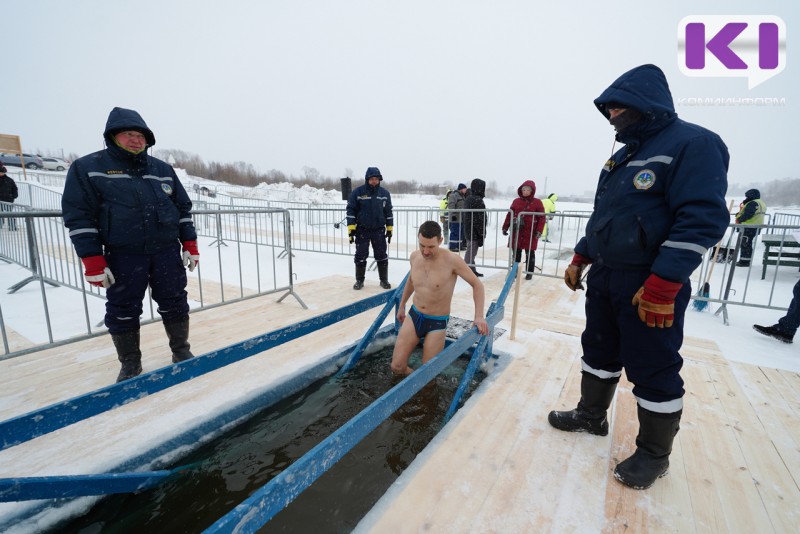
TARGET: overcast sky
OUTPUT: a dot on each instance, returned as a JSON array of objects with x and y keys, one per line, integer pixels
[{"x": 433, "y": 91}]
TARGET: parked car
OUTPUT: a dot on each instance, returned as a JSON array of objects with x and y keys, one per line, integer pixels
[
  {"x": 32, "y": 161},
  {"x": 55, "y": 164}
]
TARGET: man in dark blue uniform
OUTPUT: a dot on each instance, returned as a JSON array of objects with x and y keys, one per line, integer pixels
[
  {"x": 370, "y": 220},
  {"x": 659, "y": 206},
  {"x": 129, "y": 219}
]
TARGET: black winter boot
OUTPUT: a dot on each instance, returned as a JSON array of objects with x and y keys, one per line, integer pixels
[
  {"x": 178, "y": 335},
  {"x": 383, "y": 274},
  {"x": 531, "y": 261},
  {"x": 774, "y": 331},
  {"x": 361, "y": 271},
  {"x": 653, "y": 447},
  {"x": 590, "y": 415},
  {"x": 127, "y": 345}
]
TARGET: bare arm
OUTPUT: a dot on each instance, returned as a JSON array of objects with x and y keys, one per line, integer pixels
[
  {"x": 407, "y": 291},
  {"x": 478, "y": 293}
]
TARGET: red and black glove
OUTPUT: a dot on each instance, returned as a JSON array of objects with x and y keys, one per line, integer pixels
[
  {"x": 656, "y": 301},
  {"x": 96, "y": 271},
  {"x": 191, "y": 256},
  {"x": 573, "y": 274}
]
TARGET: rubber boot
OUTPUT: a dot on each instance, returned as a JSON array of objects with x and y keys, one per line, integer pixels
[
  {"x": 653, "y": 447},
  {"x": 178, "y": 335},
  {"x": 361, "y": 271},
  {"x": 590, "y": 414},
  {"x": 127, "y": 345},
  {"x": 383, "y": 274}
]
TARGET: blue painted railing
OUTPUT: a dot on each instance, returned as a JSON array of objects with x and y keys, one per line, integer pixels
[
  {"x": 34, "y": 424},
  {"x": 484, "y": 348},
  {"x": 253, "y": 513},
  {"x": 376, "y": 324},
  {"x": 250, "y": 515}
]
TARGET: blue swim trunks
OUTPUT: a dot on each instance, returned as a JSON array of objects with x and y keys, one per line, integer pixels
[{"x": 423, "y": 324}]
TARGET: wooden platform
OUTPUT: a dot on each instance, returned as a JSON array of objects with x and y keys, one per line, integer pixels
[{"x": 498, "y": 466}]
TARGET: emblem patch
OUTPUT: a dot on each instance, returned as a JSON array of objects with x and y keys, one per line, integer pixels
[
  {"x": 644, "y": 179},
  {"x": 166, "y": 188}
]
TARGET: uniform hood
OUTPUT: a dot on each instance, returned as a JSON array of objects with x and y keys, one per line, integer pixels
[
  {"x": 752, "y": 194},
  {"x": 372, "y": 171},
  {"x": 553, "y": 197},
  {"x": 121, "y": 119},
  {"x": 478, "y": 187},
  {"x": 529, "y": 183},
  {"x": 644, "y": 89}
]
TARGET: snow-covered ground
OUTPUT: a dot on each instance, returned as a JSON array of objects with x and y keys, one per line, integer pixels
[{"x": 738, "y": 341}]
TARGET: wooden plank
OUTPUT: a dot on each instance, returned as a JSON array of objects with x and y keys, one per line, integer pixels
[
  {"x": 767, "y": 450},
  {"x": 502, "y": 422}
]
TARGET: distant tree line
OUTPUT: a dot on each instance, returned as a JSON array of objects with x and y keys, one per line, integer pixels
[{"x": 244, "y": 174}]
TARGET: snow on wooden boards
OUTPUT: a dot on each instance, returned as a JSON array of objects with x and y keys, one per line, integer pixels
[{"x": 499, "y": 466}]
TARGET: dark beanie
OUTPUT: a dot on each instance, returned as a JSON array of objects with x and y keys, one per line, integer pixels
[
  {"x": 3, "y": 168},
  {"x": 461, "y": 186}
]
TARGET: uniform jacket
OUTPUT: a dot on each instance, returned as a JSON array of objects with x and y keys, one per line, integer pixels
[
  {"x": 660, "y": 200},
  {"x": 370, "y": 207},
  {"x": 753, "y": 208},
  {"x": 117, "y": 200},
  {"x": 531, "y": 224},
  {"x": 475, "y": 221},
  {"x": 8, "y": 189}
]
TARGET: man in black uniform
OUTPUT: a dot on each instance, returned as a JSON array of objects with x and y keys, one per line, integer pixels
[
  {"x": 370, "y": 220},
  {"x": 129, "y": 219}
]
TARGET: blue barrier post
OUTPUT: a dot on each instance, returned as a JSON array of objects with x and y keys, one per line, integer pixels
[
  {"x": 266, "y": 502},
  {"x": 367, "y": 339}
]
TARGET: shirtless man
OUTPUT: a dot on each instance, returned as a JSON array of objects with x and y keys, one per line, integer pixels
[{"x": 432, "y": 280}]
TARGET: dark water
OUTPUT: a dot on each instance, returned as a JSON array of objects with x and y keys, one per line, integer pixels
[{"x": 226, "y": 471}]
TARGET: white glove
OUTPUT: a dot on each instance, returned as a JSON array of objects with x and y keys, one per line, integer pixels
[
  {"x": 104, "y": 279},
  {"x": 190, "y": 260}
]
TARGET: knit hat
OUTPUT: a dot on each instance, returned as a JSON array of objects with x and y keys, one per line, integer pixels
[
  {"x": 3, "y": 168},
  {"x": 461, "y": 186}
]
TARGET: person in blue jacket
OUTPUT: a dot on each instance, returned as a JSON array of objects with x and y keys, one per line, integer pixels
[
  {"x": 658, "y": 208},
  {"x": 370, "y": 220},
  {"x": 129, "y": 219}
]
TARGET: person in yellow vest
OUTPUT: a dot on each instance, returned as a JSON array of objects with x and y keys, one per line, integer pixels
[
  {"x": 443, "y": 218},
  {"x": 751, "y": 211},
  {"x": 549, "y": 204}
]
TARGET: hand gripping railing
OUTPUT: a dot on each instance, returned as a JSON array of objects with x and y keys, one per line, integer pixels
[{"x": 484, "y": 348}]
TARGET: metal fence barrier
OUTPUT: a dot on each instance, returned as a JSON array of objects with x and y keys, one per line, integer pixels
[
  {"x": 253, "y": 237},
  {"x": 255, "y": 263}
]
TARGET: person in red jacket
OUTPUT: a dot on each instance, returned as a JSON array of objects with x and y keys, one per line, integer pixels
[{"x": 526, "y": 235}]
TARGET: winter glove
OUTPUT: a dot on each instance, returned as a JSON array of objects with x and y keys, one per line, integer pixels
[
  {"x": 389, "y": 233},
  {"x": 454, "y": 218},
  {"x": 538, "y": 235},
  {"x": 97, "y": 272},
  {"x": 656, "y": 301},
  {"x": 574, "y": 273},
  {"x": 351, "y": 231},
  {"x": 191, "y": 256},
  {"x": 505, "y": 231}
]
